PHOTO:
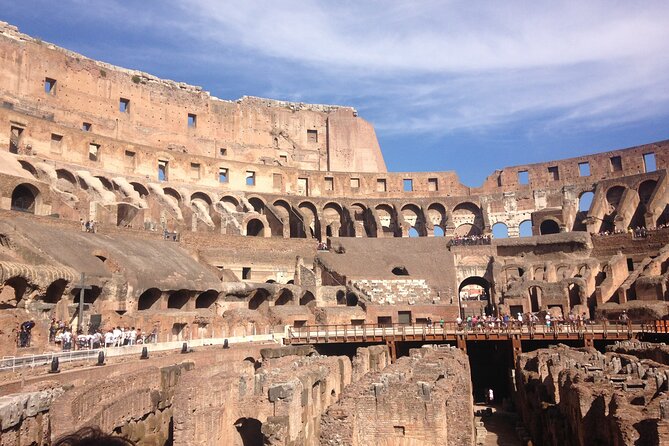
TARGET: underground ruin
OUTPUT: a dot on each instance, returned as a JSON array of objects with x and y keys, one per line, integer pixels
[{"x": 289, "y": 290}]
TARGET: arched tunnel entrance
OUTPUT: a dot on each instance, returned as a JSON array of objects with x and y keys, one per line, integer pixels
[{"x": 474, "y": 297}]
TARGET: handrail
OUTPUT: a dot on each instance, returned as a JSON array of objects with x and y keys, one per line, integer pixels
[{"x": 328, "y": 333}]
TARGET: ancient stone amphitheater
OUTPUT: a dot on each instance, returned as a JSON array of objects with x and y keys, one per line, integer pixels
[{"x": 228, "y": 228}]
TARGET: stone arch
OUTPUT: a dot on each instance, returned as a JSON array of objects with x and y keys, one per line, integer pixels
[
  {"x": 585, "y": 201},
  {"x": 91, "y": 295},
  {"x": 474, "y": 288},
  {"x": 289, "y": 217},
  {"x": 387, "y": 219},
  {"x": 285, "y": 297},
  {"x": 206, "y": 299},
  {"x": 13, "y": 292},
  {"x": 362, "y": 220},
  {"x": 549, "y": 226},
  {"x": 525, "y": 228},
  {"x": 148, "y": 299},
  {"x": 500, "y": 230},
  {"x": 255, "y": 228},
  {"x": 311, "y": 220},
  {"x": 178, "y": 299},
  {"x": 613, "y": 196},
  {"x": 65, "y": 176},
  {"x": 201, "y": 196},
  {"x": 171, "y": 192},
  {"x": 106, "y": 183},
  {"x": 140, "y": 189},
  {"x": 259, "y": 300},
  {"x": 645, "y": 190},
  {"x": 333, "y": 216},
  {"x": 229, "y": 203},
  {"x": 307, "y": 298},
  {"x": 436, "y": 214},
  {"x": 574, "y": 292},
  {"x": 413, "y": 215},
  {"x": 54, "y": 292},
  {"x": 25, "y": 198},
  {"x": 249, "y": 432},
  {"x": 28, "y": 168},
  {"x": 467, "y": 216},
  {"x": 258, "y": 204}
]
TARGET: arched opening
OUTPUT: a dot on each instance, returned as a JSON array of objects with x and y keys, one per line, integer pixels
[
  {"x": 172, "y": 193},
  {"x": 290, "y": 217},
  {"x": 90, "y": 295},
  {"x": 28, "y": 167},
  {"x": 12, "y": 292},
  {"x": 260, "y": 299},
  {"x": 307, "y": 298},
  {"x": 438, "y": 231},
  {"x": 333, "y": 217},
  {"x": 525, "y": 229},
  {"x": 206, "y": 299},
  {"x": 178, "y": 299},
  {"x": 55, "y": 291},
  {"x": 535, "y": 298},
  {"x": 549, "y": 227},
  {"x": 585, "y": 201},
  {"x": 468, "y": 219},
  {"x": 285, "y": 297},
  {"x": 387, "y": 220},
  {"x": 351, "y": 299},
  {"x": 24, "y": 197},
  {"x": 413, "y": 215},
  {"x": 500, "y": 230},
  {"x": 249, "y": 432},
  {"x": 341, "y": 297},
  {"x": 106, "y": 183},
  {"x": 148, "y": 299},
  {"x": 257, "y": 204},
  {"x": 645, "y": 190},
  {"x": 255, "y": 228},
  {"x": 140, "y": 189},
  {"x": 474, "y": 295},
  {"x": 436, "y": 214},
  {"x": 230, "y": 204},
  {"x": 574, "y": 295},
  {"x": 467, "y": 230},
  {"x": 201, "y": 196},
  {"x": 311, "y": 221}
]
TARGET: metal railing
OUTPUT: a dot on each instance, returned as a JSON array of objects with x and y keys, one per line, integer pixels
[
  {"x": 333, "y": 333},
  {"x": 16, "y": 362}
]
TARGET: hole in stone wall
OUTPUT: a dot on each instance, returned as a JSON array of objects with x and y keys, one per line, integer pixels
[{"x": 400, "y": 271}]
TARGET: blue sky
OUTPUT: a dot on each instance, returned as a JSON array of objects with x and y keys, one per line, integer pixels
[{"x": 449, "y": 85}]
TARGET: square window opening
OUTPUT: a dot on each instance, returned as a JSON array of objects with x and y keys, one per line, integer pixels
[
  {"x": 329, "y": 183},
  {"x": 246, "y": 273},
  {"x": 355, "y": 183},
  {"x": 162, "y": 170},
  {"x": 15, "y": 139},
  {"x": 649, "y": 162},
  {"x": 94, "y": 152},
  {"x": 554, "y": 173},
  {"x": 277, "y": 180},
  {"x": 56, "y": 141},
  {"x": 86, "y": 126},
  {"x": 312, "y": 135},
  {"x": 303, "y": 186},
  {"x": 223, "y": 151},
  {"x": 49, "y": 86},
  {"x": 195, "y": 170},
  {"x": 616, "y": 164},
  {"x": 584, "y": 169},
  {"x": 407, "y": 184},
  {"x": 129, "y": 158},
  {"x": 192, "y": 120},
  {"x": 250, "y": 178},
  {"x": 381, "y": 185},
  {"x": 222, "y": 175},
  {"x": 432, "y": 184},
  {"x": 124, "y": 105},
  {"x": 523, "y": 177},
  {"x": 283, "y": 159}
]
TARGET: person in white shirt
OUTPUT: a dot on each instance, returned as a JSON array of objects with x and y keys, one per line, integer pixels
[
  {"x": 132, "y": 336},
  {"x": 117, "y": 337},
  {"x": 109, "y": 338}
]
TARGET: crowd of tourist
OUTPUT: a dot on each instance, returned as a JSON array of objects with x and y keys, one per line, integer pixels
[
  {"x": 487, "y": 322},
  {"x": 637, "y": 232},
  {"x": 470, "y": 240},
  {"x": 64, "y": 337}
]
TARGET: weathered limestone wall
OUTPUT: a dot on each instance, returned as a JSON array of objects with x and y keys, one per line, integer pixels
[
  {"x": 581, "y": 397},
  {"x": 278, "y": 402},
  {"x": 424, "y": 399}
]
